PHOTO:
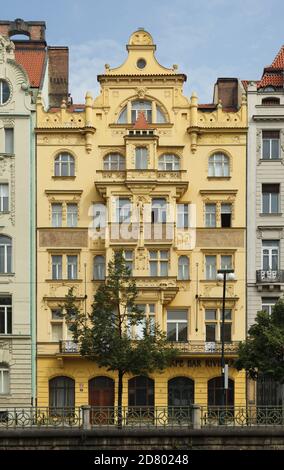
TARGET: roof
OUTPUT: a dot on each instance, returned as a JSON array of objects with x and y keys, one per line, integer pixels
[
  {"x": 273, "y": 75},
  {"x": 33, "y": 62}
]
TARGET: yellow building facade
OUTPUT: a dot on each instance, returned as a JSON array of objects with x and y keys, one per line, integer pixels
[{"x": 144, "y": 169}]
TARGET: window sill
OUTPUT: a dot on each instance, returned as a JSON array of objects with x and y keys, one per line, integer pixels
[
  {"x": 7, "y": 274},
  {"x": 4, "y": 212},
  {"x": 219, "y": 178},
  {"x": 280, "y": 160},
  {"x": 63, "y": 177},
  {"x": 269, "y": 214},
  {"x": 58, "y": 281}
]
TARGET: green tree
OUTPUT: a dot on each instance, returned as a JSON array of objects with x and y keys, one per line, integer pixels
[
  {"x": 103, "y": 333},
  {"x": 263, "y": 350}
]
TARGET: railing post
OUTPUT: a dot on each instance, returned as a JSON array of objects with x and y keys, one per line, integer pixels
[
  {"x": 196, "y": 417},
  {"x": 86, "y": 417}
]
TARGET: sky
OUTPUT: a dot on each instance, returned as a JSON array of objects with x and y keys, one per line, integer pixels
[{"x": 206, "y": 38}]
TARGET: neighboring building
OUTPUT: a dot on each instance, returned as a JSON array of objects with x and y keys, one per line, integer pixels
[
  {"x": 173, "y": 173},
  {"x": 25, "y": 67},
  {"x": 265, "y": 222}
]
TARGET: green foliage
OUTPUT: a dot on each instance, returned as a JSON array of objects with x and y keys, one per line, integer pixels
[
  {"x": 263, "y": 351},
  {"x": 102, "y": 333}
]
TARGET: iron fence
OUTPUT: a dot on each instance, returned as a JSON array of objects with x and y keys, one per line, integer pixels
[
  {"x": 34, "y": 417},
  {"x": 242, "y": 416}
]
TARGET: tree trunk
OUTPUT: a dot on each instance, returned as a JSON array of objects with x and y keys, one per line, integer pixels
[{"x": 119, "y": 399}]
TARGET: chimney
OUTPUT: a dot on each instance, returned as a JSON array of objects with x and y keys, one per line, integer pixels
[
  {"x": 34, "y": 30},
  {"x": 58, "y": 65},
  {"x": 227, "y": 91}
]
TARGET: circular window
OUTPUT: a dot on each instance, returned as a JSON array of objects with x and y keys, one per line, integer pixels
[
  {"x": 4, "y": 91},
  {"x": 141, "y": 63}
]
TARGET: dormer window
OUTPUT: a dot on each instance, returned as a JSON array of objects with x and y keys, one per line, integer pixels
[
  {"x": 270, "y": 101},
  {"x": 152, "y": 112},
  {"x": 269, "y": 88}
]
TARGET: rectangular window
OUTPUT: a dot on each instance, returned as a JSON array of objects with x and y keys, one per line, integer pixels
[
  {"x": 210, "y": 215},
  {"x": 226, "y": 215},
  {"x": 159, "y": 263},
  {"x": 72, "y": 215},
  {"x": 4, "y": 197},
  {"x": 177, "y": 325},
  {"x": 137, "y": 331},
  {"x": 270, "y": 198},
  {"x": 56, "y": 210},
  {"x": 210, "y": 263},
  {"x": 56, "y": 267},
  {"x": 9, "y": 141},
  {"x": 213, "y": 325},
  {"x": 5, "y": 256},
  {"x": 227, "y": 332},
  {"x": 57, "y": 331},
  {"x": 123, "y": 210},
  {"x": 182, "y": 215},
  {"x": 210, "y": 332},
  {"x": 270, "y": 255},
  {"x": 72, "y": 267},
  {"x": 5, "y": 315},
  {"x": 226, "y": 261},
  {"x": 270, "y": 145},
  {"x": 159, "y": 211},
  {"x": 141, "y": 158},
  {"x": 268, "y": 304},
  {"x": 128, "y": 256},
  {"x": 4, "y": 381}
]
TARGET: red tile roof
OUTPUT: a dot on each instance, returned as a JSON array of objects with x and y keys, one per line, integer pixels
[
  {"x": 279, "y": 59},
  {"x": 33, "y": 62},
  {"x": 272, "y": 74}
]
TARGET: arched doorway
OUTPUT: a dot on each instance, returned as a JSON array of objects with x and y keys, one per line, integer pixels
[
  {"x": 218, "y": 411},
  {"x": 101, "y": 399},
  {"x": 180, "y": 398},
  {"x": 141, "y": 391},
  {"x": 61, "y": 396}
]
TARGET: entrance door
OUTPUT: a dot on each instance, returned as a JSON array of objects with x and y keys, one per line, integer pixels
[
  {"x": 101, "y": 399},
  {"x": 180, "y": 398},
  {"x": 218, "y": 410}
]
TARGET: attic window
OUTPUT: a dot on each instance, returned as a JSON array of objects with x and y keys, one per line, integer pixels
[
  {"x": 141, "y": 63},
  {"x": 269, "y": 88},
  {"x": 270, "y": 101}
]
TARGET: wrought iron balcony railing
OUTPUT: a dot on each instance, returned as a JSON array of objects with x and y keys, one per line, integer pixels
[
  {"x": 206, "y": 347},
  {"x": 68, "y": 346},
  {"x": 271, "y": 276}
]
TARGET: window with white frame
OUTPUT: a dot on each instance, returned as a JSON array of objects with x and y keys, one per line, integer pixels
[
  {"x": 226, "y": 262},
  {"x": 210, "y": 266},
  {"x": 9, "y": 140},
  {"x": 141, "y": 158},
  {"x": 137, "y": 331},
  {"x": 219, "y": 165},
  {"x": 226, "y": 215},
  {"x": 56, "y": 261},
  {"x": 60, "y": 328},
  {"x": 270, "y": 198},
  {"x": 64, "y": 165},
  {"x": 182, "y": 215},
  {"x": 4, "y": 379},
  {"x": 177, "y": 325},
  {"x": 123, "y": 210},
  {"x": 99, "y": 267},
  {"x": 4, "y": 197},
  {"x": 213, "y": 325},
  {"x": 72, "y": 266},
  {"x": 159, "y": 211},
  {"x": 267, "y": 304},
  {"x": 5, "y": 315},
  {"x": 183, "y": 268},
  {"x": 114, "y": 162},
  {"x": 72, "y": 215},
  {"x": 159, "y": 262},
  {"x": 139, "y": 106},
  {"x": 56, "y": 214},
  {"x": 5, "y": 254},
  {"x": 270, "y": 255},
  {"x": 4, "y": 92},
  {"x": 169, "y": 162},
  {"x": 270, "y": 145},
  {"x": 210, "y": 215},
  {"x": 128, "y": 257}
]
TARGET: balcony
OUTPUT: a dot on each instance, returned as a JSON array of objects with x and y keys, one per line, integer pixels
[
  {"x": 205, "y": 348},
  {"x": 271, "y": 278},
  {"x": 68, "y": 347}
]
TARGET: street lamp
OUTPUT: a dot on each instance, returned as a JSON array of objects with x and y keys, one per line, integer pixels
[{"x": 224, "y": 275}]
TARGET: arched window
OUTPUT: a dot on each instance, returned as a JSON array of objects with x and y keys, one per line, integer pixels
[
  {"x": 269, "y": 88},
  {"x": 122, "y": 119},
  {"x": 4, "y": 92},
  {"x": 161, "y": 118},
  {"x": 4, "y": 379},
  {"x": 141, "y": 391},
  {"x": 180, "y": 391},
  {"x": 61, "y": 395},
  {"x": 270, "y": 101},
  {"x": 141, "y": 158},
  {"x": 64, "y": 165},
  {"x": 219, "y": 165},
  {"x": 169, "y": 162},
  {"x": 5, "y": 254},
  {"x": 216, "y": 392},
  {"x": 99, "y": 267},
  {"x": 183, "y": 268},
  {"x": 114, "y": 161}
]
